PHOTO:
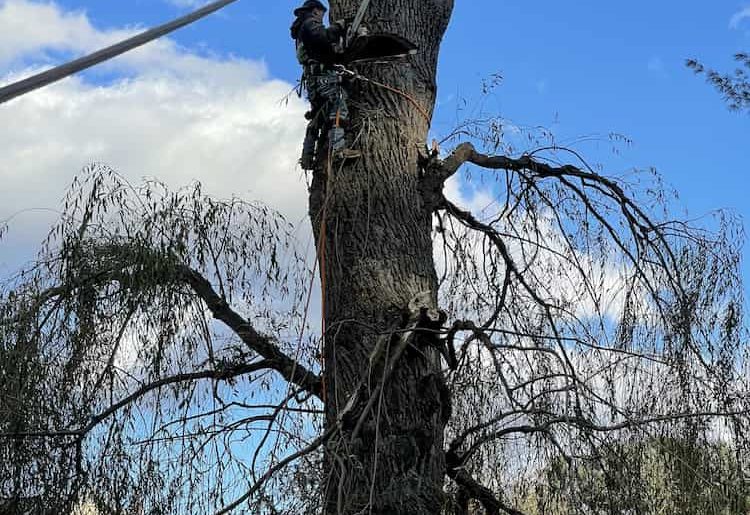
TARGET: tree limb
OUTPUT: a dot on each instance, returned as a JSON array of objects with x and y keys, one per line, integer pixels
[
  {"x": 466, "y": 153},
  {"x": 264, "y": 345},
  {"x": 475, "y": 490},
  {"x": 578, "y": 421},
  {"x": 640, "y": 223},
  {"x": 219, "y": 375}
]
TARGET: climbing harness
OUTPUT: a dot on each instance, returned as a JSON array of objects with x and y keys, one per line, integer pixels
[
  {"x": 323, "y": 81},
  {"x": 65, "y": 70},
  {"x": 329, "y": 112}
]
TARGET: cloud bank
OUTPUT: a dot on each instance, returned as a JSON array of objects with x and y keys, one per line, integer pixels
[{"x": 161, "y": 111}]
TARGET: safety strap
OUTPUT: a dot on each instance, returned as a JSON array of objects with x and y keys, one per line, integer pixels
[{"x": 352, "y": 32}]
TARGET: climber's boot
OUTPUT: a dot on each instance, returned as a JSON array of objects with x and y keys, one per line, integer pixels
[{"x": 307, "y": 160}]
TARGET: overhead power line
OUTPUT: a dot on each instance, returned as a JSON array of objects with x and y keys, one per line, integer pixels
[{"x": 60, "y": 72}]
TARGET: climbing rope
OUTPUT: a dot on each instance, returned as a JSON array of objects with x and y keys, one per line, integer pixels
[
  {"x": 342, "y": 69},
  {"x": 322, "y": 255}
]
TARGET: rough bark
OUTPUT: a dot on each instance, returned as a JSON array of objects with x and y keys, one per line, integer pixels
[{"x": 374, "y": 231}]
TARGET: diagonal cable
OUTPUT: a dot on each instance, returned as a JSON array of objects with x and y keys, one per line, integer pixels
[{"x": 65, "y": 70}]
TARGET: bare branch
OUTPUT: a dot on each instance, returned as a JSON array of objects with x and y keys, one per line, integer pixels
[
  {"x": 577, "y": 421},
  {"x": 219, "y": 375},
  {"x": 640, "y": 223},
  {"x": 264, "y": 345},
  {"x": 280, "y": 465},
  {"x": 474, "y": 489}
]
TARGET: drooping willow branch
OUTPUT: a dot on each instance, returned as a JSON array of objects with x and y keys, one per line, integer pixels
[
  {"x": 224, "y": 374},
  {"x": 590, "y": 300},
  {"x": 264, "y": 345}
]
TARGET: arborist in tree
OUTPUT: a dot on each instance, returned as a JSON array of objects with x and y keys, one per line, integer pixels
[{"x": 318, "y": 50}]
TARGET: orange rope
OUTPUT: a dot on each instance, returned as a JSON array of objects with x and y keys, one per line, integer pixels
[
  {"x": 322, "y": 256},
  {"x": 397, "y": 91},
  {"x": 322, "y": 260},
  {"x": 408, "y": 97}
]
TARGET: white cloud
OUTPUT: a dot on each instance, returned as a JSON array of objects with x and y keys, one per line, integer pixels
[
  {"x": 602, "y": 296},
  {"x": 475, "y": 200},
  {"x": 31, "y": 29},
  {"x": 739, "y": 17},
  {"x": 174, "y": 114},
  {"x": 170, "y": 113}
]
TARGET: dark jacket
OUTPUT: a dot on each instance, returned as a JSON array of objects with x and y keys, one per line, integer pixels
[{"x": 318, "y": 42}]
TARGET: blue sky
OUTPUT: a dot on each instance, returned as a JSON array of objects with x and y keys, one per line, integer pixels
[{"x": 578, "y": 68}]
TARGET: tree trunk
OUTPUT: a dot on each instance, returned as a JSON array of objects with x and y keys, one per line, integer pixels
[{"x": 379, "y": 274}]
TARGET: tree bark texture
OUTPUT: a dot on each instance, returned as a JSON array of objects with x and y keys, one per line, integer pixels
[{"x": 373, "y": 230}]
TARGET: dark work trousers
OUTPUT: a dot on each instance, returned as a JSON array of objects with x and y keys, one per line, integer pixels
[{"x": 328, "y": 99}]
